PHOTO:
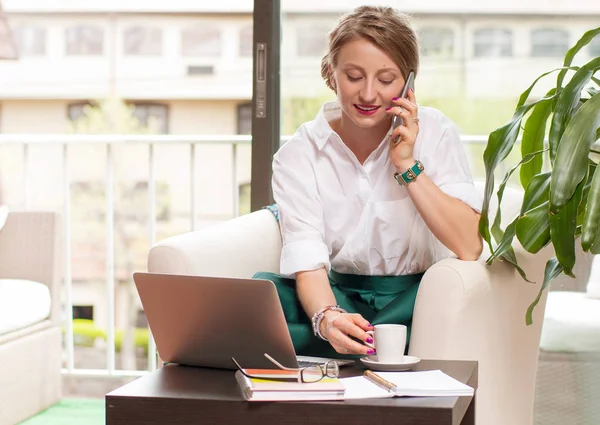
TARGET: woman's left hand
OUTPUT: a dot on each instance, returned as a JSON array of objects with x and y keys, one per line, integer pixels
[{"x": 403, "y": 138}]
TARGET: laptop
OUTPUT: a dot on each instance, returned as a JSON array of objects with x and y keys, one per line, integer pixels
[{"x": 205, "y": 321}]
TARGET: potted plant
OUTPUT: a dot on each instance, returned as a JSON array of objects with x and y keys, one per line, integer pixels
[{"x": 562, "y": 205}]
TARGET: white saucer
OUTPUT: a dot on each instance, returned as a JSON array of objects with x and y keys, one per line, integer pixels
[{"x": 407, "y": 364}]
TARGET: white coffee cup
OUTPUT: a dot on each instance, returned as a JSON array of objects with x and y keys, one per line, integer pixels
[{"x": 389, "y": 342}]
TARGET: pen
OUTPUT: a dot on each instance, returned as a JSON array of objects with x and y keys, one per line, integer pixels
[{"x": 379, "y": 381}]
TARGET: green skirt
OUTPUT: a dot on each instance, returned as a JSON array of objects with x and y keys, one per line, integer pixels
[{"x": 379, "y": 299}]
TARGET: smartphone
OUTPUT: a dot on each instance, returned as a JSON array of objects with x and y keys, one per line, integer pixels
[{"x": 410, "y": 83}]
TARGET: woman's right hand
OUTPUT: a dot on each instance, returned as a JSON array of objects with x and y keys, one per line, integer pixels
[{"x": 338, "y": 327}]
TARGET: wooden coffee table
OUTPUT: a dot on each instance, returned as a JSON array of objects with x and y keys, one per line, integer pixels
[{"x": 179, "y": 395}]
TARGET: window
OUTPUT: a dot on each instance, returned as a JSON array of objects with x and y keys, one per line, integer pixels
[
  {"x": 7, "y": 47},
  {"x": 200, "y": 70},
  {"x": 141, "y": 321},
  {"x": 246, "y": 41},
  {"x": 594, "y": 47},
  {"x": 142, "y": 41},
  {"x": 244, "y": 118},
  {"x": 76, "y": 110},
  {"x": 83, "y": 312},
  {"x": 312, "y": 40},
  {"x": 437, "y": 42},
  {"x": 549, "y": 42},
  {"x": 84, "y": 40},
  {"x": 153, "y": 114},
  {"x": 30, "y": 41},
  {"x": 201, "y": 42},
  {"x": 492, "y": 42}
]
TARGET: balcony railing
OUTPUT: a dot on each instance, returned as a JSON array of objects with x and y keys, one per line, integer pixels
[{"x": 66, "y": 143}]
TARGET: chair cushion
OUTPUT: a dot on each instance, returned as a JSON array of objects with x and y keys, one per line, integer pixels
[
  {"x": 3, "y": 215},
  {"x": 22, "y": 303},
  {"x": 571, "y": 323},
  {"x": 593, "y": 286}
]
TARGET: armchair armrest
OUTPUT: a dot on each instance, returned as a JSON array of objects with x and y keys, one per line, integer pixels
[
  {"x": 235, "y": 248},
  {"x": 467, "y": 310},
  {"x": 30, "y": 248}
]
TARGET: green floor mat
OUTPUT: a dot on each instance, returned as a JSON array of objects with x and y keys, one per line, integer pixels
[{"x": 71, "y": 411}]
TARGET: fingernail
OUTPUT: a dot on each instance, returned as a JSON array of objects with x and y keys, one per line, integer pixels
[
  {"x": 369, "y": 352},
  {"x": 394, "y": 98},
  {"x": 370, "y": 325},
  {"x": 370, "y": 340},
  {"x": 412, "y": 90},
  {"x": 387, "y": 109}
]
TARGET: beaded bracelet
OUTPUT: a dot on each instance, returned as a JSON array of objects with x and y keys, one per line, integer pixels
[{"x": 318, "y": 317}]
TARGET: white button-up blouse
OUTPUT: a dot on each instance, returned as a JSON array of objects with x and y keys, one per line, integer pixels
[{"x": 355, "y": 218}]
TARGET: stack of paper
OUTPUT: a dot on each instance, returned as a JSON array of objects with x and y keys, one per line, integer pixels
[{"x": 431, "y": 383}]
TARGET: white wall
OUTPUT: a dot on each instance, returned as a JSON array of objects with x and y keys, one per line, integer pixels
[
  {"x": 57, "y": 76},
  {"x": 307, "y": 6},
  {"x": 33, "y": 116}
]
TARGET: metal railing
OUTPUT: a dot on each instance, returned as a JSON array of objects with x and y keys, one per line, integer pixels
[{"x": 109, "y": 141}]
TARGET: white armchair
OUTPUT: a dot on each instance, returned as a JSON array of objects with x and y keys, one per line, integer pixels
[
  {"x": 30, "y": 336},
  {"x": 465, "y": 310}
]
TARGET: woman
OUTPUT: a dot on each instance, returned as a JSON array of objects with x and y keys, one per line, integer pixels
[{"x": 357, "y": 238}]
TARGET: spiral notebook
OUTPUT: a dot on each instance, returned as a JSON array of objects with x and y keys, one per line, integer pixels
[{"x": 430, "y": 383}]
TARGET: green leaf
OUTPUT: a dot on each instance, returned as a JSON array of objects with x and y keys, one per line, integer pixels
[
  {"x": 510, "y": 256},
  {"x": 500, "y": 143},
  {"x": 534, "y": 133},
  {"x": 568, "y": 99},
  {"x": 505, "y": 243},
  {"x": 533, "y": 228},
  {"x": 596, "y": 248},
  {"x": 505, "y": 250},
  {"x": 537, "y": 192},
  {"x": 496, "y": 230},
  {"x": 562, "y": 230},
  {"x": 570, "y": 165},
  {"x": 591, "y": 219},
  {"x": 582, "y": 42},
  {"x": 584, "y": 200},
  {"x": 553, "y": 269}
]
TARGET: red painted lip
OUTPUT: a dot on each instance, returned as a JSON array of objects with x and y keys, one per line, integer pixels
[{"x": 368, "y": 113}]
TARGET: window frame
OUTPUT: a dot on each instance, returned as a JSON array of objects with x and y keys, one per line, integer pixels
[
  {"x": 78, "y": 27},
  {"x": 542, "y": 54},
  {"x": 494, "y": 36},
  {"x": 149, "y": 31},
  {"x": 195, "y": 29}
]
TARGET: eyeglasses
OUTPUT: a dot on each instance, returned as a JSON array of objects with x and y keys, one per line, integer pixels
[{"x": 308, "y": 374}]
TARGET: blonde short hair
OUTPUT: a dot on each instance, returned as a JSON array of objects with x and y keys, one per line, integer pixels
[{"x": 383, "y": 26}]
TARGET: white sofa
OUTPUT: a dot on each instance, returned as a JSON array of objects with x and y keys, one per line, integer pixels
[
  {"x": 30, "y": 334},
  {"x": 568, "y": 381},
  {"x": 464, "y": 310}
]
